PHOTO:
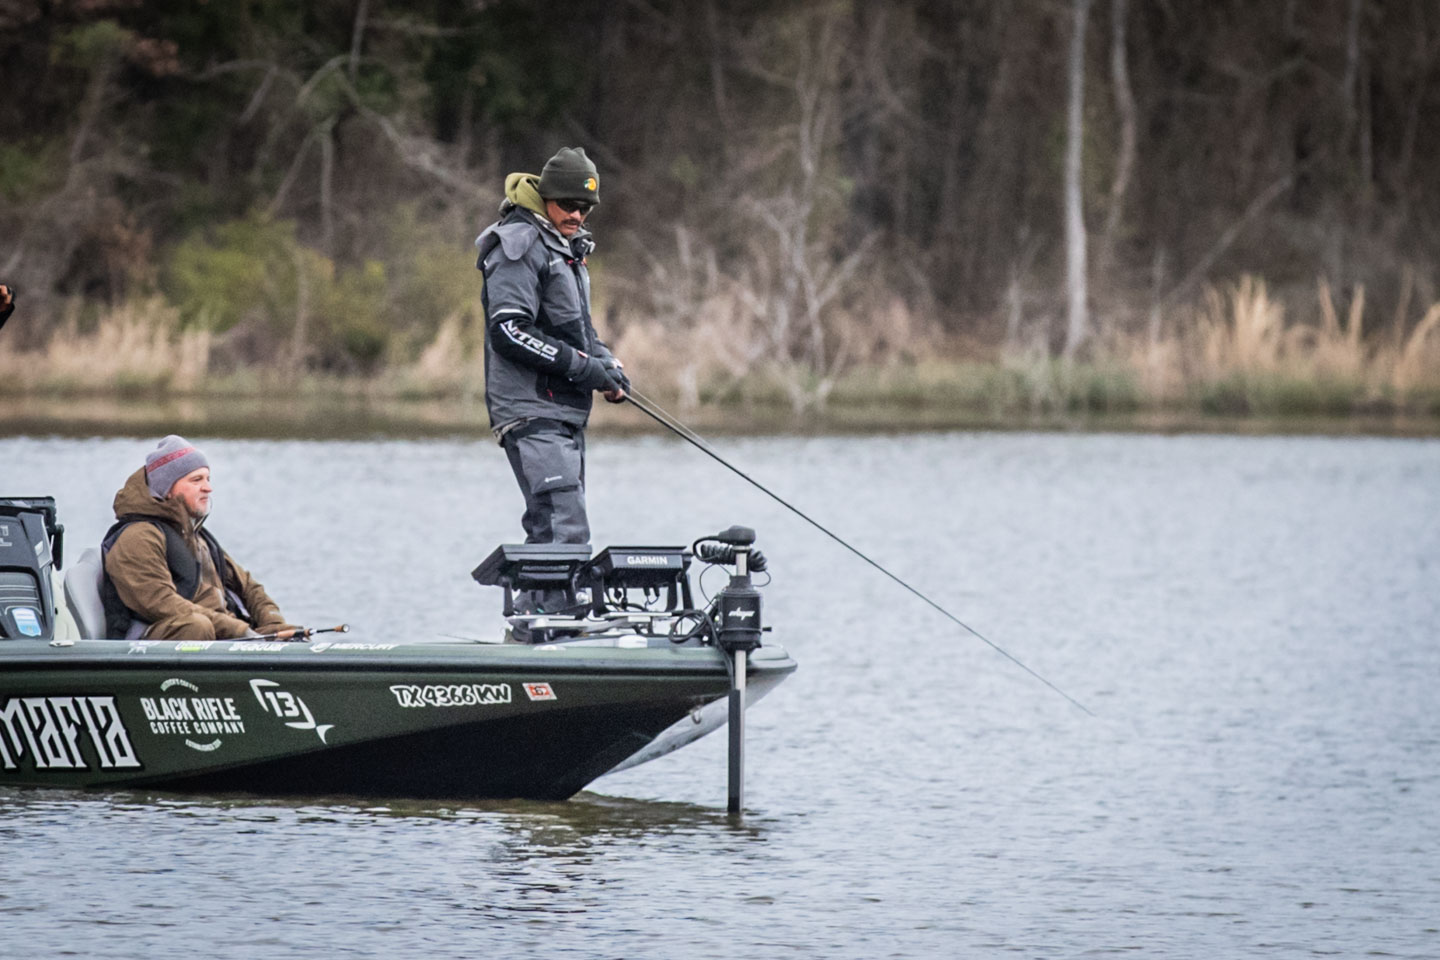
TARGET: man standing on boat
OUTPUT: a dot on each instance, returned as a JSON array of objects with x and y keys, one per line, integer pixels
[
  {"x": 543, "y": 359},
  {"x": 166, "y": 577}
]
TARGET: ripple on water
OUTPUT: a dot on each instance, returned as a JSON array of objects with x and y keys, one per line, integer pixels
[{"x": 1252, "y": 619}]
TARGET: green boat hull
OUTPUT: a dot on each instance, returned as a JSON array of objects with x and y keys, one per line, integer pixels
[{"x": 431, "y": 720}]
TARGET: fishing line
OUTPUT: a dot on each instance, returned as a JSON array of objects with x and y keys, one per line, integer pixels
[{"x": 652, "y": 410}]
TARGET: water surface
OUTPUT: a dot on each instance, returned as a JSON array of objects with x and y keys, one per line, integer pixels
[{"x": 1253, "y": 620}]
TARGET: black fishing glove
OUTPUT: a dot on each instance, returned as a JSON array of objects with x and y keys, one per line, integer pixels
[
  {"x": 592, "y": 374},
  {"x": 618, "y": 373}
]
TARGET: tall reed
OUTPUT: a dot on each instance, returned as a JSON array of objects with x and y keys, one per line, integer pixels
[
  {"x": 1239, "y": 350},
  {"x": 136, "y": 346}
]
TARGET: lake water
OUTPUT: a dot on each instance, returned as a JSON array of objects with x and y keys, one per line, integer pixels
[{"x": 1254, "y": 621}]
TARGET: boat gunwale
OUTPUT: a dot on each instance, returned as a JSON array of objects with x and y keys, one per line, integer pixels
[{"x": 614, "y": 661}]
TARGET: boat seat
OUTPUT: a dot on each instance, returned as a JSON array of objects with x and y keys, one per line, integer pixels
[{"x": 82, "y": 594}]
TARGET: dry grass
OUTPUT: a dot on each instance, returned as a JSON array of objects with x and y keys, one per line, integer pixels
[
  {"x": 1239, "y": 351},
  {"x": 1415, "y": 363},
  {"x": 138, "y": 346},
  {"x": 1244, "y": 332},
  {"x": 451, "y": 365},
  {"x": 713, "y": 350}
]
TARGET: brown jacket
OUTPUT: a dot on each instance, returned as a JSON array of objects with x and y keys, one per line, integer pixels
[{"x": 137, "y": 566}]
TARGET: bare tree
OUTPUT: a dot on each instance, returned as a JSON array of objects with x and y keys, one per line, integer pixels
[
  {"x": 794, "y": 282},
  {"x": 1125, "y": 154},
  {"x": 1078, "y": 320}
]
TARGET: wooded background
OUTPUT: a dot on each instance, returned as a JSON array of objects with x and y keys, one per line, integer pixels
[{"x": 810, "y": 184}]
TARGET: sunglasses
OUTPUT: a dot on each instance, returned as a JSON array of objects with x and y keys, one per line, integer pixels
[{"x": 581, "y": 207}]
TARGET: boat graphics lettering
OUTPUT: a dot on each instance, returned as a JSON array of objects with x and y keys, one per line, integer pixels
[
  {"x": 451, "y": 695},
  {"x": 540, "y": 691},
  {"x": 288, "y": 707},
  {"x": 343, "y": 645},
  {"x": 179, "y": 714},
  {"x": 47, "y": 730}
]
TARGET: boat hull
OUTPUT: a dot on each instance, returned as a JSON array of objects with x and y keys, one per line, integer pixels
[{"x": 431, "y": 720}]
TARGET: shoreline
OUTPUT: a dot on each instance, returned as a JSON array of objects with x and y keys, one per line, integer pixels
[{"x": 389, "y": 418}]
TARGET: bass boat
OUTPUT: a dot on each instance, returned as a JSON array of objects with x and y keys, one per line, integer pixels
[{"x": 632, "y": 670}]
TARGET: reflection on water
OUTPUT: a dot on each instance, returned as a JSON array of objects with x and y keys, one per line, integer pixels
[
  {"x": 1253, "y": 620},
  {"x": 403, "y": 863},
  {"x": 587, "y": 812}
]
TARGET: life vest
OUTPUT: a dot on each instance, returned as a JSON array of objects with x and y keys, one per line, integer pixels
[{"x": 185, "y": 571}]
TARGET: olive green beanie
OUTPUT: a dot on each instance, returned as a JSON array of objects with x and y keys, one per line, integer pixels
[{"x": 570, "y": 175}]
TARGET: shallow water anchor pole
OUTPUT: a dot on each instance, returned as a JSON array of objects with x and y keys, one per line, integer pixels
[
  {"x": 737, "y": 734},
  {"x": 739, "y": 632}
]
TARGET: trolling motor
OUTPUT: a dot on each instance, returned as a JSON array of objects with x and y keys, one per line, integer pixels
[
  {"x": 737, "y": 628},
  {"x": 737, "y": 620}
]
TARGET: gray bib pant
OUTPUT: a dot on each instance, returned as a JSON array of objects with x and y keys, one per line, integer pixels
[{"x": 548, "y": 458}]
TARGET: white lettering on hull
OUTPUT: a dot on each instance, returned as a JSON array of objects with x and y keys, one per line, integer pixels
[
  {"x": 48, "y": 730},
  {"x": 192, "y": 716},
  {"x": 286, "y": 705},
  {"x": 451, "y": 695}
]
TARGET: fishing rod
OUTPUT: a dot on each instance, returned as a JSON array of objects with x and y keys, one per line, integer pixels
[
  {"x": 653, "y": 410},
  {"x": 302, "y": 633}
]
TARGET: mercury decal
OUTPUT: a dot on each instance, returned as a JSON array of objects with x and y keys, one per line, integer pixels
[
  {"x": 48, "y": 729},
  {"x": 192, "y": 716},
  {"x": 342, "y": 645},
  {"x": 451, "y": 695},
  {"x": 286, "y": 705}
]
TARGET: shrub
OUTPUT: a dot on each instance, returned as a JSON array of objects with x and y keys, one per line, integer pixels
[{"x": 279, "y": 300}]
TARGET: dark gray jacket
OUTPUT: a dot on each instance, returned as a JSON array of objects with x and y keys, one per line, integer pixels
[{"x": 537, "y": 320}]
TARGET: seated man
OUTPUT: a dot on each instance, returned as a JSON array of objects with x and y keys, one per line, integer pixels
[{"x": 166, "y": 577}]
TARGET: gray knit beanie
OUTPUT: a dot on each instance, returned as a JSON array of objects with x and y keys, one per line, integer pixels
[
  {"x": 570, "y": 175},
  {"x": 174, "y": 459}
]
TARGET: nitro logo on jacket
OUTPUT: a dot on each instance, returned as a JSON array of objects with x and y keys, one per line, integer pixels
[
  {"x": 529, "y": 341},
  {"x": 64, "y": 733}
]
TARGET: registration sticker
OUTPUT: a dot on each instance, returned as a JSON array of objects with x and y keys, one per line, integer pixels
[
  {"x": 539, "y": 691},
  {"x": 27, "y": 620}
]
